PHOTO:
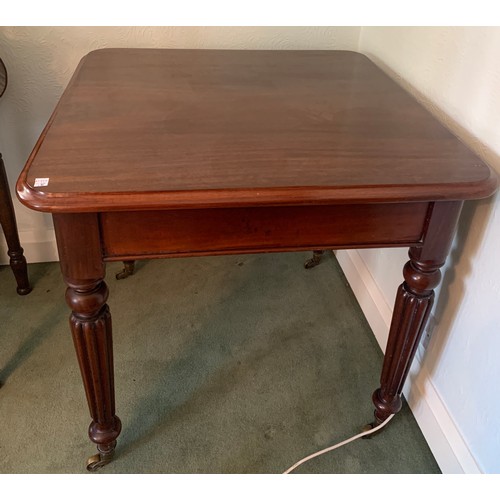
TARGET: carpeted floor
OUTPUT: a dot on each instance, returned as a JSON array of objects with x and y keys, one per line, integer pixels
[{"x": 238, "y": 364}]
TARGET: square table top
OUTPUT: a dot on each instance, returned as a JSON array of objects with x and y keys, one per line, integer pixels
[{"x": 171, "y": 128}]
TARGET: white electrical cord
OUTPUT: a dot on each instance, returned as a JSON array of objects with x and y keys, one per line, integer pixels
[{"x": 338, "y": 445}]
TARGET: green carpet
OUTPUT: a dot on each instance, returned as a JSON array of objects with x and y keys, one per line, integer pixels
[{"x": 237, "y": 364}]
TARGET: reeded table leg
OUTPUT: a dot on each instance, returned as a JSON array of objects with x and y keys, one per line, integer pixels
[
  {"x": 9, "y": 226},
  {"x": 80, "y": 255},
  {"x": 413, "y": 304},
  {"x": 91, "y": 328}
]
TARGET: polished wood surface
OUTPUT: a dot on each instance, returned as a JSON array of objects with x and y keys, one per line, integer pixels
[
  {"x": 90, "y": 322},
  {"x": 164, "y": 153},
  {"x": 413, "y": 304},
  {"x": 261, "y": 229},
  {"x": 190, "y": 128}
]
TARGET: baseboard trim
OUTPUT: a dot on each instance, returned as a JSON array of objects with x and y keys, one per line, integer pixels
[
  {"x": 370, "y": 298},
  {"x": 440, "y": 431},
  {"x": 38, "y": 246}
]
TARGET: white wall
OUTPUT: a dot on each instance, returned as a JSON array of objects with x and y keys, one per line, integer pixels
[
  {"x": 41, "y": 60},
  {"x": 455, "y": 72}
]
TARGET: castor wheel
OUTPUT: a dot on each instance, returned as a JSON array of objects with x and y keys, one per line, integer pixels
[
  {"x": 366, "y": 428},
  {"x": 314, "y": 260},
  {"x": 99, "y": 460},
  {"x": 374, "y": 428},
  {"x": 24, "y": 291},
  {"x": 128, "y": 270}
]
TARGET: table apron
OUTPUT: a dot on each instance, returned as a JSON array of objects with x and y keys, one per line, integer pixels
[{"x": 260, "y": 229}]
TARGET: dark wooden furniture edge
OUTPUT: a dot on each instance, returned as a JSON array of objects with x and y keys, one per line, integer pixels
[
  {"x": 260, "y": 229},
  {"x": 109, "y": 202},
  {"x": 60, "y": 202}
]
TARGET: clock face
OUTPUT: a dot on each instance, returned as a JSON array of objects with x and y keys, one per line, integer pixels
[{"x": 3, "y": 78}]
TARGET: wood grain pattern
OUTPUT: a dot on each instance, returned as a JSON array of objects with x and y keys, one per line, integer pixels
[
  {"x": 185, "y": 128},
  {"x": 263, "y": 229}
]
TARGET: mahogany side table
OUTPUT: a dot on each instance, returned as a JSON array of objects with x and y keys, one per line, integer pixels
[{"x": 171, "y": 153}]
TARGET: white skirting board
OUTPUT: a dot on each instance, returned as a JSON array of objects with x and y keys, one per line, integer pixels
[{"x": 441, "y": 433}]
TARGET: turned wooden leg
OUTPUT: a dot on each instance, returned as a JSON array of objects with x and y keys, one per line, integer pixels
[
  {"x": 314, "y": 260},
  {"x": 80, "y": 254},
  {"x": 90, "y": 324},
  {"x": 413, "y": 304},
  {"x": 9, "y": 226}
]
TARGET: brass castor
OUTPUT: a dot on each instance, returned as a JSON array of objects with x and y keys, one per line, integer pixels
[
  {"x": 24, "y": 291},
  {"x": 368, "y": 427},
  {"x": 128, "y": 270},
  {"x": 315, "y": 260},
  {"x": 99, "y": 460},
  {"x": 376, "y": 426}
]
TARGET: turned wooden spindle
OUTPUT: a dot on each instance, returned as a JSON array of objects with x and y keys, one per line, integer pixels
[
  {"x": 413, "y": 304},
  {"x": 9, "y": 226},
  {"x": 90, "y": 321}
]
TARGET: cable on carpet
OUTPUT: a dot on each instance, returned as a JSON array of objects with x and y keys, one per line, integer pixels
[{"x": 338, "y": 445}]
